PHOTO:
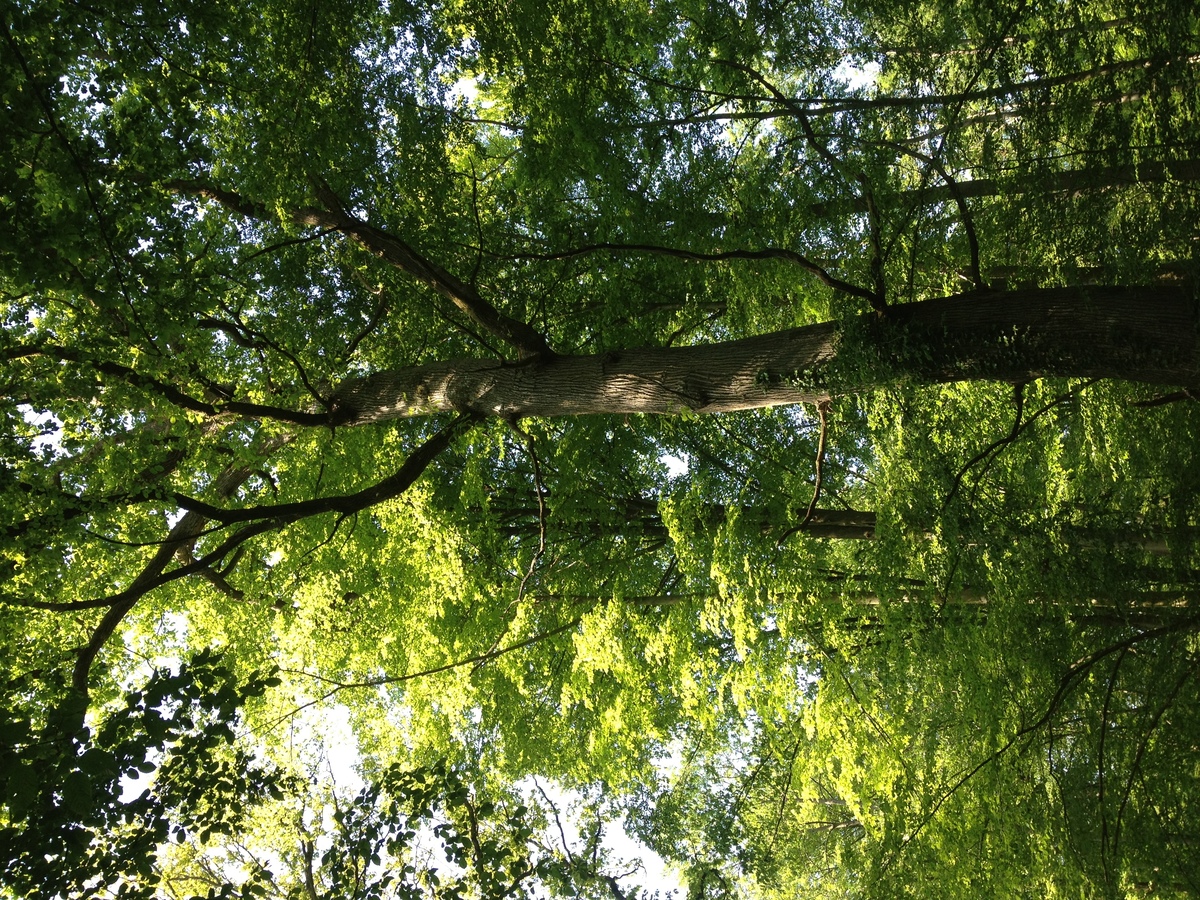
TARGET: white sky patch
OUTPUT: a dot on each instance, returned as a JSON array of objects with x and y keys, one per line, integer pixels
[
  {"x": 132, "y": 788},
  {"x": 677, "y": 466},
  {"x": 342, "y": 753},
  {"x": 654, "y": 876},
  {"x": 857, "y": 77},
  {"x": 174, "y": 624},
  {"x": 48, "y": 424},
  {"x": 467, "y": 88}
]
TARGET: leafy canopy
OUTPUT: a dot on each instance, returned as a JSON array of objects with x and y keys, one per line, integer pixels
[{"x": 924, "y": 639}]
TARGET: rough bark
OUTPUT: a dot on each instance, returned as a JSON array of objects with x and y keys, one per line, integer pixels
[{"x": 1145, "y": 334}]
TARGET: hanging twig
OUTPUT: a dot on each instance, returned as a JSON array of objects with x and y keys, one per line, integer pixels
[
  {"x": 376, "y": 317},
  {"x": 473, "y": 280},
  {"x": 787, "y": 787},
  {"x": 1164, "y": 399},
  {"x": 1019, "y": 402},
  {"x": 964, "y": 212},
  {"x": 1072, "y": 676},
  {"x": 823, "y": 412},
  {"x": 1100, "y": 773},
  {"x": 540, "y": 487},
  {"x": 1143, "y": 745},
  {"x": 779, "y": 253}
]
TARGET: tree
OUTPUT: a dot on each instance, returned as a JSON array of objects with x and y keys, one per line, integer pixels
[
  {"x": 380, "y": 323},
  {"x": 73, "y": 829}
]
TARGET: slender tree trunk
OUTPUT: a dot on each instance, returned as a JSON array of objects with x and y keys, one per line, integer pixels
[
  {"x": 643, "y": 514},
  {"x": 1072, "y": 181},
  {"x": 1145, "y": 334}
]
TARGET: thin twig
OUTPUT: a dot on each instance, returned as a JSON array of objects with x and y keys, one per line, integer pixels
[
  {"x": 291, "y": 242},
  {"x": 1164, "y": 399},
  {"x": 540, "y": 487},
  {"x": 1018, "y": 428},
  {"x": 376, "y": 317},
  {"x": 964, "y": 211},
  {"x": 1019, "y": 402},
  {"x": 557, "y": 821},
  {"x": 823, "y": 411},
  {"x": 791, "y": 256},
  {"x": 787, "y": 787},
  {"x": 878, "y": 297},
  {"x": 339, "y": 686},
  {"x": 1144, "y": 744},
  {"x": 474, "y": 279},
  {"x": 1065, "y": 683},
  {"x": 1112, "y": 684}
]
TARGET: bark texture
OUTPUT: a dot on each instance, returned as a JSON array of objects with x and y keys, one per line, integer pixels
[{"x": 1145, "y": 334}]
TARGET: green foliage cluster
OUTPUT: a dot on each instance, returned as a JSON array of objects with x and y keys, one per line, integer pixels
[
  {"x": 75, "y": 823},
  {"x": 486, "y": 848}
]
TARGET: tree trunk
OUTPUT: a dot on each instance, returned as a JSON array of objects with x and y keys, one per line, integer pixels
[
  {"x": 642, "y": 514},
  {"x": 1035, "y": 186},
  {"x": 1145, "y": 334}
]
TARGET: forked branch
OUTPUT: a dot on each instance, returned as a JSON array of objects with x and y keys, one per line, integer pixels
[
  {"x": 526, "y": 340},
  {"x": 261, "y": 521},
  {"x": 877, "y": 297}
]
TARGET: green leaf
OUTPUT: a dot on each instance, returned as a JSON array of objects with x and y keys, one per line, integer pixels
[
  {"x": 77, "y": 793},
  {"x": 22, "y": 790}
]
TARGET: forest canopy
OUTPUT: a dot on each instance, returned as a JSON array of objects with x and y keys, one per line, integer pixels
[{"x": 770, "y": 425}]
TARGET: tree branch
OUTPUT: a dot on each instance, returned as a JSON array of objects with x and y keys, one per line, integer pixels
[
  {"x": 529, "y": 343},
  {"x": 185, "y": 531},
  {"x": 720, "y": 256},
  {"x": 823, "y": 411},
  {"x": 877, "y": 297},
  {"x": 960, "y": 200},
  {"x": 170, "y": 392},
  {"x": 339, "y": 686},
  {"x": 346, "y": 504},
  {"x": 1068, "y": 679},
  {"x": 1018, "y": 426}
]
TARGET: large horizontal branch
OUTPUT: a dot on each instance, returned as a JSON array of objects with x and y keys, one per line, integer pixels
[{"x": 1145, "y": 334}]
